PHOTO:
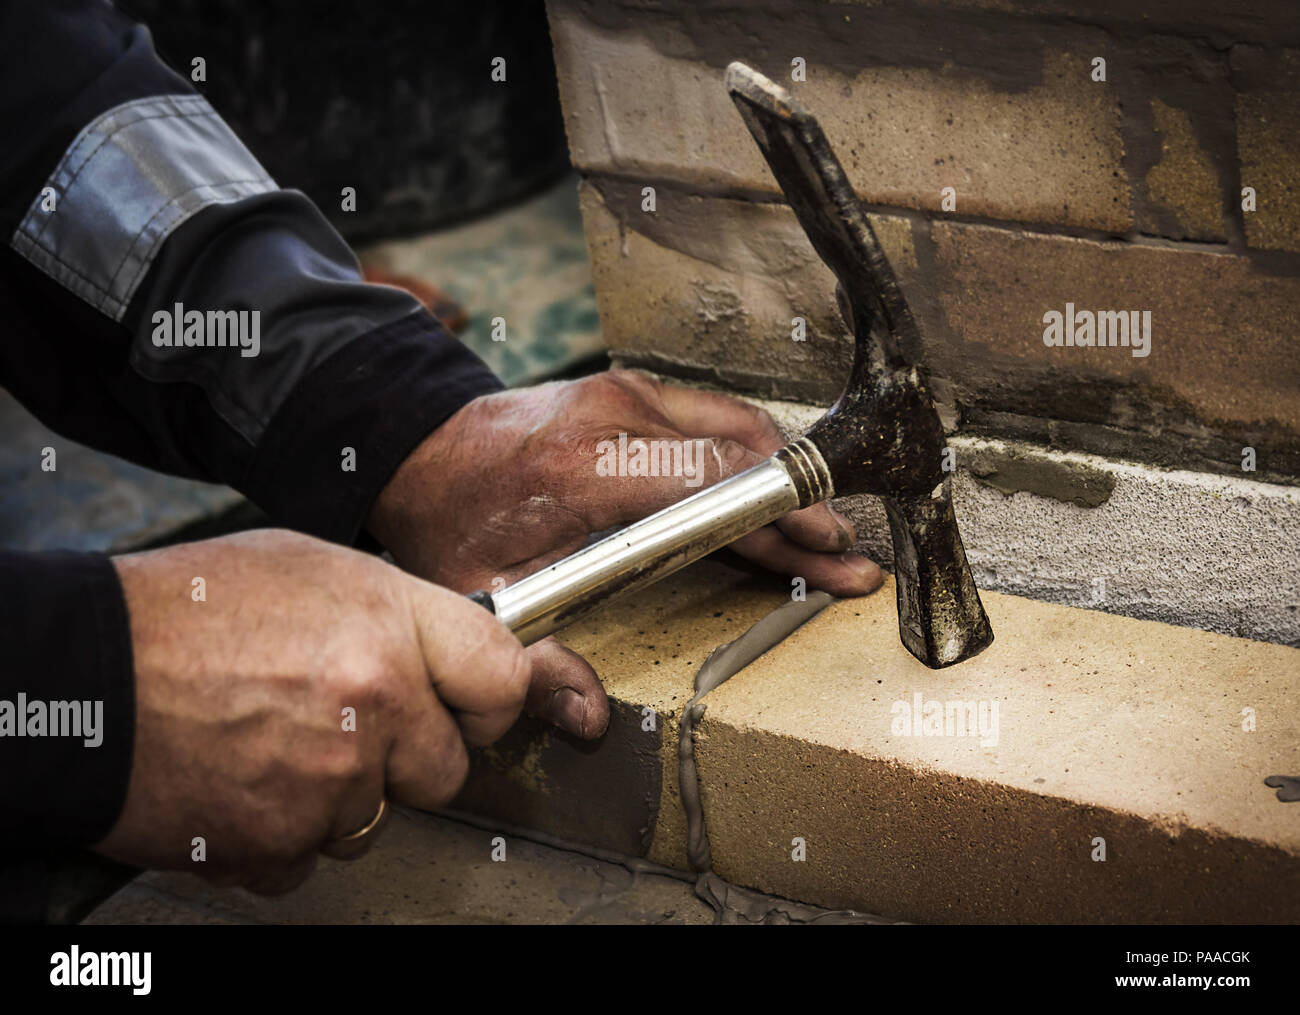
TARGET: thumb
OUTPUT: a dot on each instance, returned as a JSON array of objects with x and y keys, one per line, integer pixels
[
  {"x": 566, "y": 691},
  {"x": 476, "y": 666}
]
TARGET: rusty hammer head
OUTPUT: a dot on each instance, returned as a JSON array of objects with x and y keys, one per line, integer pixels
[{"x": 882, "y": 436}]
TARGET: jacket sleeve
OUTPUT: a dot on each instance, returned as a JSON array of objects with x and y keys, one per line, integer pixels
[{"x": 164, "y": 300}]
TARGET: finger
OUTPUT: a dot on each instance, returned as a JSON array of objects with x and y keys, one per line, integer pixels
[
  {"x": 709, "y": 414},
  {"x": 566, "y": 691},
  {"x": 369, "y": 813},
  {"x": 700, "y": 413},
  {"x": 678, "y": 466},
  {"x": 819, "y": 527},
  {"x": 845, "y": 574},
  {"x": 428, "y": 762},
  {"x": 476, "y": 666}
]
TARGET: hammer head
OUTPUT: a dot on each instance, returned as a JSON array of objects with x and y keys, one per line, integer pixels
[{"x": 882, "y": 436}]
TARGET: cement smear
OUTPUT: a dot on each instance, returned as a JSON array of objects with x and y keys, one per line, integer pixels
[{"x": 732, "y": 904}]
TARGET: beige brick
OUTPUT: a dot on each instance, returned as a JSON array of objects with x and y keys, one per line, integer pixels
[
  {"x": 1125, "y": 729},
  {"x": 1222, "y": 346},
  {"x": 1050, "y": 152},
  {"x": 719, "y": 291},
  {"x": 1268, "y": 125},
  {"x": 708, "y": 286},
  {"x": 1183, "y": 182},
  {"x": 1108, "y": 727}
]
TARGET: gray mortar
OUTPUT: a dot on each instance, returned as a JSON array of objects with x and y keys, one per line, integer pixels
[
  {"x": 732, "y": 904},
  {"x": 1010, "y": 472},
  {"x": 1193, "y": 549}
]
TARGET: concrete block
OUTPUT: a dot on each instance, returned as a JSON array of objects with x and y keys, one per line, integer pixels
[
  {"x": 1011, "y": 121},
  {"x": 1087, "y": 531}
]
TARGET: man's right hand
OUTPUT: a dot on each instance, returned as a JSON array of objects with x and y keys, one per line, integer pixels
[{"x": 240, "y": 725}]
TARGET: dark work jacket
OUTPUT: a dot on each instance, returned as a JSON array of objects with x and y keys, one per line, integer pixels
[{"x": 126, "y": 203}]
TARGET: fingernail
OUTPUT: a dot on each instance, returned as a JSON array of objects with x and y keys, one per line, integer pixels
[
  {"x": 847, "y": 536},
  {"x": 866, "y": 570},
  {"x": 569, "y": 710}
]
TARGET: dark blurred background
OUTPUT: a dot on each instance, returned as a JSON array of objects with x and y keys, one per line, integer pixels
[{"x": 394, "y": 98}]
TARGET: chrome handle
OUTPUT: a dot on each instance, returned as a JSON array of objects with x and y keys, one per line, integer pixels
[{"x": 666, "y": 541}]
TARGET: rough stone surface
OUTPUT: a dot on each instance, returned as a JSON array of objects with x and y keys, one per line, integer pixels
[
  {"x": 707, "y": 288},
  {"x": 1184, "y": 548},
  {"x": 1045, "y": 148},
  {"x": 427, "y": 869}
]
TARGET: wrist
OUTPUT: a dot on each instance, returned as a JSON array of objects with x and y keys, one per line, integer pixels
[{"x": 416, "y": 494}]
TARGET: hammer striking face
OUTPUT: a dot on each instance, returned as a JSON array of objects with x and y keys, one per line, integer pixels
[{"x": 881, "y": 437}]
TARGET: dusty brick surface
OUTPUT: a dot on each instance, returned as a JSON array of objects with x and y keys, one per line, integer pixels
[
  {"x": 1268, "y": 124},
  {"x": 1183, "y": 182},
  {"x": 707, "y": 287},
  {"x": 1045, "y": 148},
  {"x": 1221, "y": 329}
]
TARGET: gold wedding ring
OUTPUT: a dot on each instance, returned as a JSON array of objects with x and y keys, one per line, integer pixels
[{"x": 374, "y": 823}]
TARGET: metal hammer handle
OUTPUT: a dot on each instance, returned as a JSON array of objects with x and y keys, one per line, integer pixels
[{"x": 666, "y": 541}]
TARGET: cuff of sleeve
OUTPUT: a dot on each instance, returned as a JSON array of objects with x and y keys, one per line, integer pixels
[
  {"x": 69, "y": 642},
  {"x": 336, "y": 441}
]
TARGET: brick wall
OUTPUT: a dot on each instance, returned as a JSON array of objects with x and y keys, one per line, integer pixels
[{"x": 1115, "y": 194}]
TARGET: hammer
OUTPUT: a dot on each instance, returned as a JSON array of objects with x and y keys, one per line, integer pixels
[{"x": 881, "y": 437}]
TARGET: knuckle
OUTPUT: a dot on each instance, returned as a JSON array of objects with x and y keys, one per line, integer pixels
[
  {"x": 341, "y": 762},
  {"x": 360, "y": 680},
  {"x": 764, "y": 420},
  {"x": 735, "y": 455}
]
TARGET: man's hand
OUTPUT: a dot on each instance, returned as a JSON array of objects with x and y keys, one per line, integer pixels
[
  {"x": 509, "y": 485},
  {"x": 240, "y": 732}
]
